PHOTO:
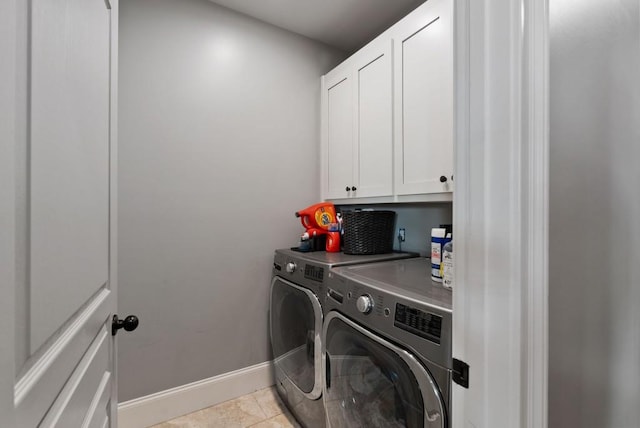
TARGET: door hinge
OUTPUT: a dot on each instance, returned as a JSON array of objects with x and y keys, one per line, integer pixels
[{"x": 461, "y": 373}]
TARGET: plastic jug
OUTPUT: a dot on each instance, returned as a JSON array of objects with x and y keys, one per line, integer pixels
[{"x": 318, "y": 216}]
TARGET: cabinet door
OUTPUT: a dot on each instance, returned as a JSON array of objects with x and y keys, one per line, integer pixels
[
  {"x": 373, "y": 168},
  {"x": 423, "y": 52},
  {"x": 338, "y": 134}
]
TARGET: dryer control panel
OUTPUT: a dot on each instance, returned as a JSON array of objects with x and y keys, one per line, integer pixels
[
  {"x": 414, "y": 319},
  {"x": 424, "y": 324}
]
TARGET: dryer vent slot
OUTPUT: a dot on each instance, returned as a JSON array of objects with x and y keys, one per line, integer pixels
[{"x": 335, "y": 295}]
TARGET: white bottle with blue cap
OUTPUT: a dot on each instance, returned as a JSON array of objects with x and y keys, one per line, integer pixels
[{"x": 438, "y": 239}]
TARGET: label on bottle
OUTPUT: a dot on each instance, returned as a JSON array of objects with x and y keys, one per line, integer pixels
[
  {"x": 324, "y": 218},
  {"x": 447, "y": 269},
  {"x": 436, "y": 249}
]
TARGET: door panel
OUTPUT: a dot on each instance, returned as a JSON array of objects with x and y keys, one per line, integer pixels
[
  {"x": 41, "y": 384},
  {"x": 64, "y": 165},
  {"x": 424, "y": 58},
  {"x": 375, "y": 136},
  {"x": 98, "y": 414},
  {"x": 339, "y": 136},
  {"x": 295, "y": 323},
  {"x": 70, "y": 408},
  {"x": 69, "y": 159}
]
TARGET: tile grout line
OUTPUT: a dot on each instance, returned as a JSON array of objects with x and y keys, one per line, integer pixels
[
  {"x": 263, "y": 409},
  {"x": 260, "y": 407}
]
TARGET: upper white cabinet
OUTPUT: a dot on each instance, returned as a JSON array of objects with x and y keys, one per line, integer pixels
[
  {"x": 387, "y": 114},
  {"x": 357, "y": 134},
  {"x": 338, "y": 122},
  {"x": 423, "y": 103}
]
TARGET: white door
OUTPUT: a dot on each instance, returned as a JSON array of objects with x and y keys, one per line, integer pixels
[
  {"x": 61, "y": 211},
  {"x": 423, "y": 76},
  {"x": 338, "y": 132},
  {"x": 373, "y": 169}
]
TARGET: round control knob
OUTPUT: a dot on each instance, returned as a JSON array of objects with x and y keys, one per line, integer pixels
[
  {"x": 290, "y": 267},
  {"x": 364, "y": 304}
]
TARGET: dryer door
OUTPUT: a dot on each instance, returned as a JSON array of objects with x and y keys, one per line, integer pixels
[
  {"x": 371, "y": 382},
  {"x": 296, "y": 325}
]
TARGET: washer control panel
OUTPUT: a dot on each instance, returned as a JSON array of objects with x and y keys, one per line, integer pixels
[
  {"x": 290, "y": 267},
  {"x": 418, "y": 325},
  {"x": 364, "y": 304},
  {"x": 422, "y": 323}
]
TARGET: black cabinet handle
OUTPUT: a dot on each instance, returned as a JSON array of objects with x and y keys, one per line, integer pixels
[
  {"x": 348, "y": 189},
  {"x": 443, "y": 179},
  {"x": 130, "y": 323},
  {"x": 354, "y": 188}
]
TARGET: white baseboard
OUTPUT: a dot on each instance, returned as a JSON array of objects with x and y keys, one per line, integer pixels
[{"x": 165, "y": 405}]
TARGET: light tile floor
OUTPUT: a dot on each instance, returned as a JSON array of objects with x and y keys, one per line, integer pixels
[{"x": 261, "y": 409}]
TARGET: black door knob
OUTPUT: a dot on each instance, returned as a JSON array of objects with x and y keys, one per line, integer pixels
[
  {"x": 130, "y": 323},
  {"x": 348, "y": 189},
  {"x": 443, "y": 179},
  {"x": 353, "y": 188}
]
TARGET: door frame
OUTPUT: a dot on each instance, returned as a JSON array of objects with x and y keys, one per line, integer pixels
[
  {"x": 488, "y": 286},
  {"x": 501, "y": 212},
  {"x": 114, "y": 5},
  {"x": 12, "y": 26}
]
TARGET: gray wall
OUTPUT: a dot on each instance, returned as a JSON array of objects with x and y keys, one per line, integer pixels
[
  {"x": 594, "y": 277},
  {"x": 219, "y": 129},
  {"x": 417, "y": 219}
]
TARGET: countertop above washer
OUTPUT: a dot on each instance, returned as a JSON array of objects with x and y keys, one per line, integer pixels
[{"x": 410, "y": 278}]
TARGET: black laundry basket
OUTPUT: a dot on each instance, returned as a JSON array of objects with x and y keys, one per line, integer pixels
[{"x": 368, "y": 232}]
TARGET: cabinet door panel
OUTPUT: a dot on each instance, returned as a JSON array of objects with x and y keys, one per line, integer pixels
[
  {"x": 375, "y": 133},
  {"x": 424, "y": 64},
  {"x": 339, "y": 138}
]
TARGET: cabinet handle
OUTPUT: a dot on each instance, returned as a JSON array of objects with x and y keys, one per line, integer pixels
[
  {"x": 348, "y": 189},
  {"x": 443, "y": 179},
  {"x": 354, "y": 188}
]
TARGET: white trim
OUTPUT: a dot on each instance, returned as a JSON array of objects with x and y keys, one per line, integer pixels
[
  {"x": 461, "y": 165},
  {"x": 500, "y": 213},
  {"x": 174, "y": 402},
  {"x": 113, "y": 201},
  {"x": 10, "y": 94},
  {"x": 396, "y": 199},
  {"x": 536, "y": 270}
]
